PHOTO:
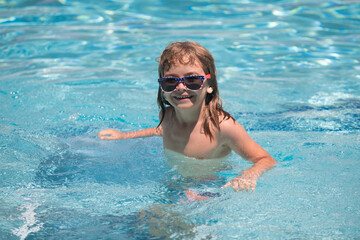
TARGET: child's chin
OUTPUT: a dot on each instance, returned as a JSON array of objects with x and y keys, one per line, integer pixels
[{"x": 184, "y": 105}]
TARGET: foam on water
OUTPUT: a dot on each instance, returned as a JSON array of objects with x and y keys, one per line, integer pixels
[{"x": 31, "y": 225}]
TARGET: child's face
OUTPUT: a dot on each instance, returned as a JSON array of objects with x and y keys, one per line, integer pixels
[{"x": 182, "y": 97}]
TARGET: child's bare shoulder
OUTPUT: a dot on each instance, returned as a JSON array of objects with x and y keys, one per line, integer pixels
[{"x": 230, "y": 127}]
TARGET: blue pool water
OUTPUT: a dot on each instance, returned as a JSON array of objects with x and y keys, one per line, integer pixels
[{"x": 288, "y": 71}]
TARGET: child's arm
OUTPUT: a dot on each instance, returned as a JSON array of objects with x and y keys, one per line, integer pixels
[
  {"x": 112, "y": 134},
  {"x": 242, "y": 144}
]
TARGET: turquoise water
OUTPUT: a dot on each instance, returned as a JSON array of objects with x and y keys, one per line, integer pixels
[{"x": 288, "y": 71}]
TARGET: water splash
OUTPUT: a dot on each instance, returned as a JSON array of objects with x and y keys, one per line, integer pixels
[{"x": 31, "y": 223}]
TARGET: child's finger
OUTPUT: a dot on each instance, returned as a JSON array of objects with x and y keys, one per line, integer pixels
[
  {"x": 105, "y": 138},
  {"x": 236, "y": 186},
  {"x": 110, "y": 137},
  {"x": 105, "y": 132},
  {"x": 101, "y": 135},
  {"x": 227, "y": 185}
]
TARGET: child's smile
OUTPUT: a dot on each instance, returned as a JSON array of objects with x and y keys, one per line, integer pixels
[{"x": 183, "y": 97}]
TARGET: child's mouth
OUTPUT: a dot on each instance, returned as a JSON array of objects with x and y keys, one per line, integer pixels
[{"x": 183, "y": 98}]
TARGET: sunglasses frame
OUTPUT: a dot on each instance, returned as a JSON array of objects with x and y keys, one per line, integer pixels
[{"x": 182, "y": 80}]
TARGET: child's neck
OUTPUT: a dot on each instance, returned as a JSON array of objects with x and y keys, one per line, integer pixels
[{"x": 188, "y": 116}]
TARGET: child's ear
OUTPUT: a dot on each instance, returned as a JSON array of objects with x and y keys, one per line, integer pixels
[{"x": 209, "y": 90}]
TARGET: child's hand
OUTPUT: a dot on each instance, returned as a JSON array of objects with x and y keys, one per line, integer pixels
[
  {"x": 111, "y": 134},
  {"x": 240, "y": 183}
]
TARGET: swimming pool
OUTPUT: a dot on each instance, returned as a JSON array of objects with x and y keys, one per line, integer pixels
[{"x": 288, "y": 72}]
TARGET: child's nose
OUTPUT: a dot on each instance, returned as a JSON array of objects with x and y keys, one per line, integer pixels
[{"x": 181, "y": 85}]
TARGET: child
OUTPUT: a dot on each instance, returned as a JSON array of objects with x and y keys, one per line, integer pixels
[{"x": 192, "y": 120}]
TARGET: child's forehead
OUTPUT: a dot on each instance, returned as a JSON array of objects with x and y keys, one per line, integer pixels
[{"x": 179, "y": 65}]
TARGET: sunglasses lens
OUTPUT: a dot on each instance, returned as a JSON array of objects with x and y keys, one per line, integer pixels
[
  {"x": 193, "y": 82},
  {"x": 168, "y": 84}
]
